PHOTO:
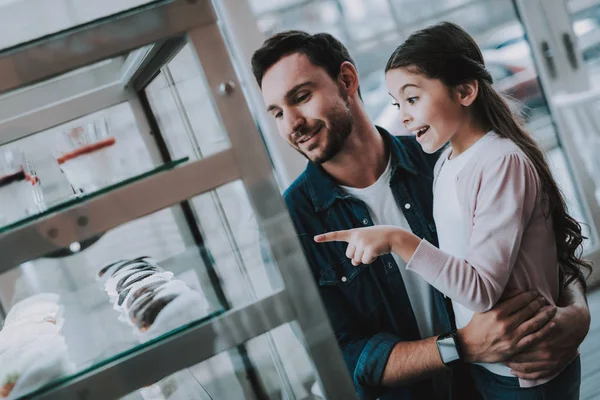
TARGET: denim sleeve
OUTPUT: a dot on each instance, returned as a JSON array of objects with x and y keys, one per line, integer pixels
[{"x": 365, "y": 355}]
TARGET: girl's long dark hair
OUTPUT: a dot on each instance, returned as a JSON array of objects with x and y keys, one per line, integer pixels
[{"x": 447, "y": 52}]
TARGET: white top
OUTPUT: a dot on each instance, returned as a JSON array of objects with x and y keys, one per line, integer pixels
[
  {"x": 385, "y": 211},
  {"x": 451, "y": 229}
]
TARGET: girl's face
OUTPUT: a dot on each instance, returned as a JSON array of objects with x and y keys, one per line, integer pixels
[{"x": 428, "y": 108}]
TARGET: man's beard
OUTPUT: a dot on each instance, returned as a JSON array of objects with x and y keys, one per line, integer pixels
[{"x": 341, "y": 123}]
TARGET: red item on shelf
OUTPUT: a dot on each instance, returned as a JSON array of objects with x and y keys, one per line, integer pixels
[
  {"x": 86, "y": 150},
  {"x": 10, "y": 178},
  {"x": 33, "y": 179}
]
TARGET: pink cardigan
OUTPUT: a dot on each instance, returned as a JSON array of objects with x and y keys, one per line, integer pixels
[
  {"x": 511, "y": 245},
  {"x": 511, "y": 240}
]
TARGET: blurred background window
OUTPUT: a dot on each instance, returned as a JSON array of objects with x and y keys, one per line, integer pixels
[{"x": 372, "y": 29}]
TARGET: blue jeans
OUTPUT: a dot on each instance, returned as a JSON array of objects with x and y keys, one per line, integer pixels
[{"x": 495, "y": 387}]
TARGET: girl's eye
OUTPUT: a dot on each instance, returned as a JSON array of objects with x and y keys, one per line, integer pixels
[
  {"x": 278, "y": 115},
  {"x": 396, "y": 105},
  {"x": 412, "y": 100}
]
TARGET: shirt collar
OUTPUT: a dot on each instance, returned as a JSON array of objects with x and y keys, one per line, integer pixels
[{"x": 324, "y": 190}]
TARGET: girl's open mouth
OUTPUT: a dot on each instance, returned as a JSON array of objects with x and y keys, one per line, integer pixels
[{"x": 420, "y": 132}]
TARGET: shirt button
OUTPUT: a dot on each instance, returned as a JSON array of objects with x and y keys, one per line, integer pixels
[
  {"x": 389, "y": 265},
  {"x": 344, "y": 279},
  {"x": 365, "y": 221},
  {"x": 407, "y": 206}
]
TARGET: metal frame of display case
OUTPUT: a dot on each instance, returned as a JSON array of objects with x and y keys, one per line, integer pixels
[{"x": 247, "y": 160}]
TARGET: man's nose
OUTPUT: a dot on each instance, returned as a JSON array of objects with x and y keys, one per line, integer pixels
[{"x": 294, "y": 123}]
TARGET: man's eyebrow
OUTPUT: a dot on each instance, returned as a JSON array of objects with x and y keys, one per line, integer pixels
[{"x": 290, "y": 93}]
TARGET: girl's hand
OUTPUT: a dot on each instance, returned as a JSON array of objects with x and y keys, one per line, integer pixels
[{"x": 366, "y": 244}]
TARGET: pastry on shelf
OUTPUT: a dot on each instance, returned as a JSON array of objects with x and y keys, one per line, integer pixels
[
  {"x": 171, "y": 312},
  {"x": 147, "y": 297},
  {"x": 39, "y": 303},
  {"x": 128, "y": 295},
  {"x": 113, "y": 281},
  {"x": 128, "y": 280},
  {"x": 30, "y": 367},
  {"x": 112, "y": 268},
  {"x": 140, "y": 290},
  {"x": 104, "y": 271},
  {"x": 174, "y": 287},
  {"x": 32, "y": 350},
  {"x": 145, "y": 317}
]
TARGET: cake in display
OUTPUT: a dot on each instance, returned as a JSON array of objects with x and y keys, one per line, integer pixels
[
  {"x": 149, "y": 298},
  {"x": 33, "y": 351}
]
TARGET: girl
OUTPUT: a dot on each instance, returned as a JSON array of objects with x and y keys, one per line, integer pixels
[{"x": 502, "y": 222}]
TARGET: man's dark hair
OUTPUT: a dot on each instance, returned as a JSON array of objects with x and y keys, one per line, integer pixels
[{"x": 322, "y": 50}]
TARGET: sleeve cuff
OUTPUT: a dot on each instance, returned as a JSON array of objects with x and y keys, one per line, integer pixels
[
  {"x": 427, "y": 261},
  {"x": 373, "y": 359}
]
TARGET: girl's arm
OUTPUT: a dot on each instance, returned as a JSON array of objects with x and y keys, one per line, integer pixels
[{"x": 506, "y": 197}]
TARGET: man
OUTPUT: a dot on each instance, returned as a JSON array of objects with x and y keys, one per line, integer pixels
[{"x": 387, "y": 320}]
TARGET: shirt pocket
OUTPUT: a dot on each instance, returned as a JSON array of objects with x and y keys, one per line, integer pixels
[{"x": 356, "y": 283}]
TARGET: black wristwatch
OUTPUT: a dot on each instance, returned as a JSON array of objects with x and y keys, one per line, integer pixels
[{"x": 449, "y": 348}]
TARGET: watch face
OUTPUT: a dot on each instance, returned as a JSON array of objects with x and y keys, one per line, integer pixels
[{"x": 448, "y": 350}]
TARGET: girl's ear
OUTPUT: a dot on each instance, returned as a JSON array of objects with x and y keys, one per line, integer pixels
[{"x": 467, "y": 92}]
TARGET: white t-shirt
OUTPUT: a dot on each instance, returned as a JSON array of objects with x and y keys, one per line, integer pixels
[
  {"x": 385, "y": 211},
  {"x": 451, "y": 229}
]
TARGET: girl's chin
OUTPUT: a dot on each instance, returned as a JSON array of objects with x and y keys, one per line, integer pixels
[
  {"x": 430, "y": 144},
  {"x": 429, "y": 149}
]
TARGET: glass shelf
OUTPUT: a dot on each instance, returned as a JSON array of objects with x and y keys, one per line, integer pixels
[
  {"x": 102, "y": 361},
  {"x": 96, "y": 336},
  {"x": 83, "y": 197}
]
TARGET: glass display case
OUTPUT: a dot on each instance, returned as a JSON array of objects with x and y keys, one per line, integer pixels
[{"x": 146, "y": 250}]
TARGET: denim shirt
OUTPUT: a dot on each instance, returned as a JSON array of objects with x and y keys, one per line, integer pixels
[{"x": 368, "y": 305}]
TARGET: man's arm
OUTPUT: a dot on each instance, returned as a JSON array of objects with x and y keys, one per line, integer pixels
[
  {"x": 551, "y": 355},
  {"x": 412, "y": 361},
  {"x": 494, "y": 336}
]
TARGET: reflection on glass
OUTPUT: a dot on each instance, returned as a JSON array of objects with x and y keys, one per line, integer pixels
[
  {"x": 231, "y": 233},
  {"x": 225, "y": 375},
  {"x": 183, "y": 107},
  {"x": 182, "y": 385},
  {"x": 24, "y": 20},
  {"x": 293, "y": 375}
]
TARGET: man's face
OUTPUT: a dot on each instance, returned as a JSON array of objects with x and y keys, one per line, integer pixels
[{"x": 311, "y": 113}]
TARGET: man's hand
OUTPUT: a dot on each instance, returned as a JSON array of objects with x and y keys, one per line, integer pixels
[
  {"x": 555, "y": 352},
  {"x": 511, "y": 327}
]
